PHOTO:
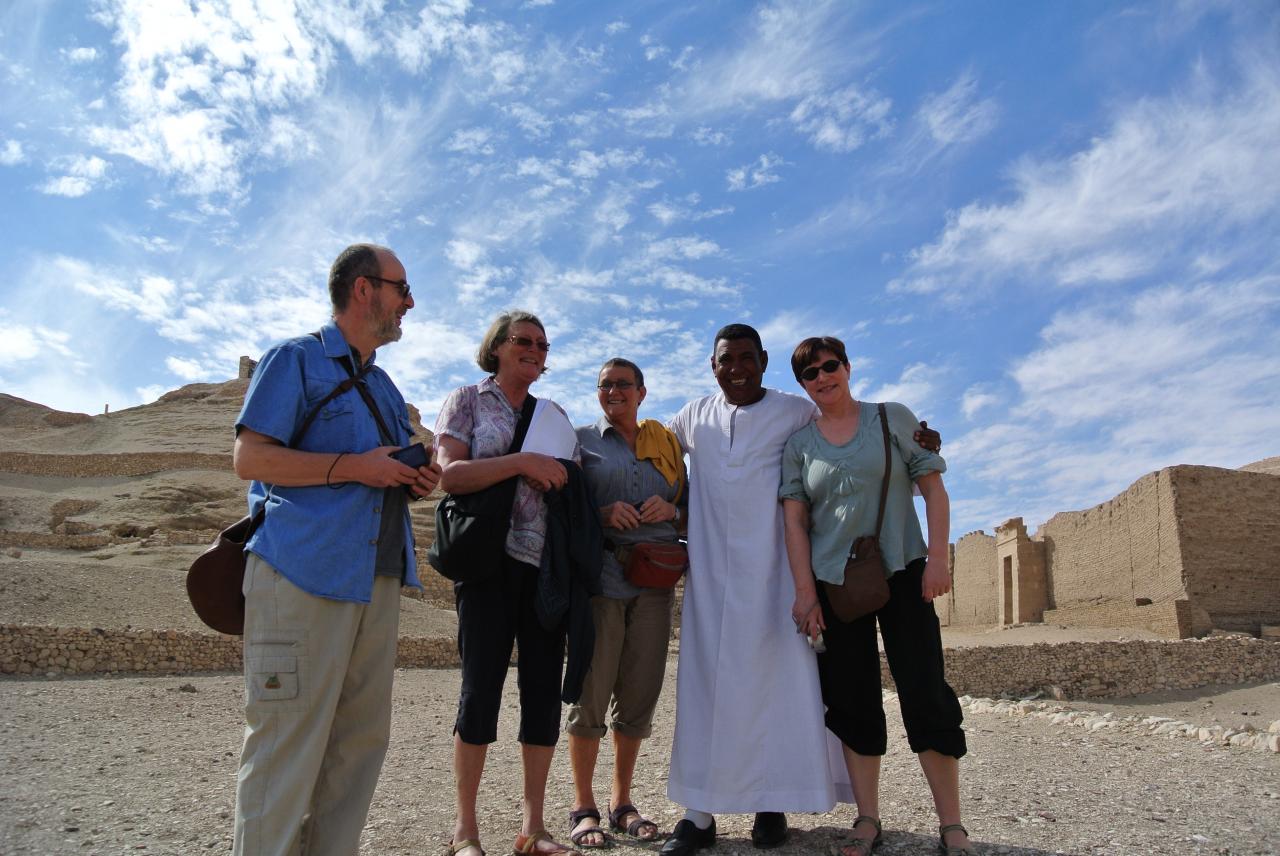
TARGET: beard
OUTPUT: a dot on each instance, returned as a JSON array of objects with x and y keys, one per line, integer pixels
[{"x": 385, "y": 328}]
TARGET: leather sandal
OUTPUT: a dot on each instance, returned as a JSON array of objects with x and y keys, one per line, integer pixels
[
  {"x": 576, "y": 835},
  {"x": 863, "y": 846},
  {"x": 952, "y": 850},
  {"x": 528, "y": 844},
  {"x": 456, "y": 847},
  {"x": 634, "y": 827}
]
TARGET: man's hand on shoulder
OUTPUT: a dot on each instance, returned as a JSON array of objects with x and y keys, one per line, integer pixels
[{"x": 927, "y": 437}]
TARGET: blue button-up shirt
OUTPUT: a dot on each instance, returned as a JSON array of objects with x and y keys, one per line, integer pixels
[{"x": 322, "y": 540}]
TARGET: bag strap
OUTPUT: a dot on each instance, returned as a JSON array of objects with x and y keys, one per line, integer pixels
[
  {"x": 356, "y": 379},
  {"x": 884, "y": 483},
  {"x": 522, "y": 427}
]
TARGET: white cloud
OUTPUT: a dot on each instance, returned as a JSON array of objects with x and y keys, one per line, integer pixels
[
  {"x": 187, "y": 369},
  {"x": 756, "y": 174},
  {"x": 471, "y": 141},
  {"x": 82, "y": 175},
  {"x": 1166, "y": 179},
  {"x": 958, "y": 115},
  {"x": 1174, "y": 374},
  {"x": 615, "y": 27},
  {"x": 588, "y": 164},
  {"x": 915, "y": 388},
  {"x": 535, "y": 125},
  {"x": 841, "y": 121},
  {"x": 976, "y": 399},
  {"x": 11, "y": 153},
  {"x": 705, "y": 136},
  {"x": 77, "y": 56},
  {"x": 669, "y": 211}
]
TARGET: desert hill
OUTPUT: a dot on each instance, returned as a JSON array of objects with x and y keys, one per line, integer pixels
[{"x": 101, "y": 515}]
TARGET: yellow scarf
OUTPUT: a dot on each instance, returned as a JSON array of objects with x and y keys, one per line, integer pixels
[{"x": 655, "y": 443}]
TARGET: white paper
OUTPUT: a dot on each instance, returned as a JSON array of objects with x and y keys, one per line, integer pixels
[{"x": 550, "y": 432}]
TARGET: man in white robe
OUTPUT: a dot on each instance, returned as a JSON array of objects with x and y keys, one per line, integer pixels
[
  {"x": 750, "y": 735},
  {"x": 749, "y": 732}
]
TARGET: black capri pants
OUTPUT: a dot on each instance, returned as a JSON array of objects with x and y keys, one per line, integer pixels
[
  {"x": 849, "y": 672},
  {"x": 492, "y": 614}
]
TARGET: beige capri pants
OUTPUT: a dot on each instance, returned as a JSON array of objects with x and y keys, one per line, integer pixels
[{"x": 627, "y": 666}]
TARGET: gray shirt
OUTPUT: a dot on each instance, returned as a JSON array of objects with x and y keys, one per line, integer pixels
[
  {"x": 615, "y": 474},
  {"x": 841, "y": 485}
]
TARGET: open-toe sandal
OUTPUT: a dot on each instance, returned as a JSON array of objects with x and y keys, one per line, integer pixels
[
  {"x": 863, "y": 846},
  {"x": 456, "y": 847},
  {"x": 635, "y": 827},
  {"x": 528, "y": 844},
  {"x": 952, "y": 850},
  {"x": 576, "y": 835}
]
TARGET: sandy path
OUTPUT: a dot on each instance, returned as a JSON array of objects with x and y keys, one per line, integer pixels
[{"x": 101, "y": 766}]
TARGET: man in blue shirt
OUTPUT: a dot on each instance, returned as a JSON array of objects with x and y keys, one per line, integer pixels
[{"x": 323, "y": 576}]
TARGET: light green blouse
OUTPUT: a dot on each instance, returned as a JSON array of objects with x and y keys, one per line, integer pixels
[{"x": 841, "y": 484}]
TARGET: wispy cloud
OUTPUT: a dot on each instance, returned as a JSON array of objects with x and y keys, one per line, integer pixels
[
  {"x": 753, "y": 175},
  {"x": 1169, "y": 173},
  {"x": 80, "y": 175},
  {"x": 11, "y": 153}
]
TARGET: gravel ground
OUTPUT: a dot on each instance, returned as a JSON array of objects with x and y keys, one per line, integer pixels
[{"x": 133, "y": 764}]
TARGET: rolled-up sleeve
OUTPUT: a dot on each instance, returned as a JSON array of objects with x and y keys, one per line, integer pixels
[
  {"x": 457, "y": 416},
  {"x": 903, "y": 425},
  {"x": 792, "y": 486}
]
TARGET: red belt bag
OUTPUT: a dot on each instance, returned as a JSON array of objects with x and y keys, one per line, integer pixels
[{"x": 653, "y": 564}]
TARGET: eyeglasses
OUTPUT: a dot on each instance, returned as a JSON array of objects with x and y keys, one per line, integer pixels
[
  {"x": 811, "y": 373},
  {"x": 619, "y": 385},
  {"x": 401, "y": 285},
  {"x": 526, "y": 342}
]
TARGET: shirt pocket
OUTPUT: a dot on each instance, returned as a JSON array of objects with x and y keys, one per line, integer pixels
[{"x": 333, "y": 429}]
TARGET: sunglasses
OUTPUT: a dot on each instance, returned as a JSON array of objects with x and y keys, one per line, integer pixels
[
  {"x": 398, "y": 284},
  {"x": 526, "y": 342},
  {"x": 811, "y": 373},
  {"x": 620, "y": 385}
]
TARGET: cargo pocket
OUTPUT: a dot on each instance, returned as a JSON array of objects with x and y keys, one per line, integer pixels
[{"x": 273, "y": 678}]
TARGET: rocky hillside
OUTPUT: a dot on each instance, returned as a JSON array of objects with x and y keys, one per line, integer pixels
[{"x": 101, "y": 515}]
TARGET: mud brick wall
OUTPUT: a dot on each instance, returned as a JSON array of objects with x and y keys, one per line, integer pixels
[
  {"x": 1116, "y": 552},
  {"x": 1172, "y": 619},
  {"x": 1230, "y": 527},
  {"x": 974, "y": 599}
]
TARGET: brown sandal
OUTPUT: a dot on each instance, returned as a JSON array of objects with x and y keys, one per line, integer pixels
[
  {"x": 458, "y": 847},
  {"x": 952, "y": 850},
  {"x": 633, "y": 828},
  {"x": 528, "y": 844},
  {"x": 576, "y": 835},
  {"x": 863, "y": 846}
]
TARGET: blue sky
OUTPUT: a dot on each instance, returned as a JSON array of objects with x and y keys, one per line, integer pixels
[{"x": 1049, "y": 228}]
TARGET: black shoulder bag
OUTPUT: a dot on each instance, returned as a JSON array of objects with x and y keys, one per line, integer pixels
[
  {"x": 471, "y": 528},
  {"x": 865, "y": 588}
]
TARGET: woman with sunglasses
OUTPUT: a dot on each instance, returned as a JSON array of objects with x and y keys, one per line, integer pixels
[
  {"x": 831, "y": 479},
  {"x": 635, "y": 471},
  {"x": 474, "y": 433}
]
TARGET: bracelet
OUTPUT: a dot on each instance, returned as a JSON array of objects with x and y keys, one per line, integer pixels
[{"x": 330, "y": 473}]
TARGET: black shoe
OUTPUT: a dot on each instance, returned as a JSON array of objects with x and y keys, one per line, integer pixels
[
  {"x": 687, "y": 839},
  {"x": 769, "y": 830}
]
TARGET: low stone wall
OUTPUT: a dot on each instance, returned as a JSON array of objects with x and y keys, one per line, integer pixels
[
  {"x": 109, "y": 464},
  {"x": 54, "y": 651},
  {"x": 1109, "y": 669},
  {"x": 1064, "y": 670}
]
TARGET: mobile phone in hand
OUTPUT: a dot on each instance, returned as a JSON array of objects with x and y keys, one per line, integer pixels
[{"x": 414, "y": 456}]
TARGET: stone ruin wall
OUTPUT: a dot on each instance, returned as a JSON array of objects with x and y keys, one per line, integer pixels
[
  {"x": 1182, "y": 551},
  {"x": 1230, "y": 527},
  {"x": 973, "y": 599},
  {"x": 1069, "y": 669}
]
